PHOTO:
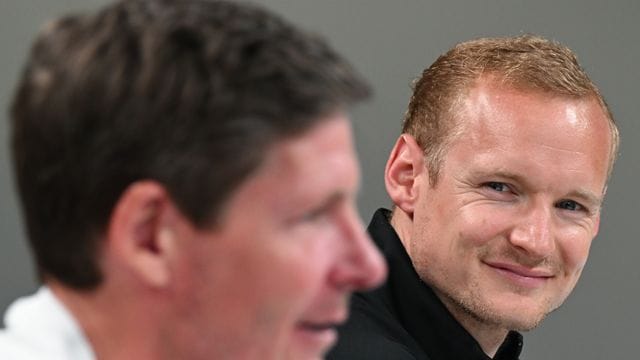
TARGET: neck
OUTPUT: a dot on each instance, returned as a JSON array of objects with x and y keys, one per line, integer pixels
[
  {"x": 401, "y": 223},
  {"x": 489, "y": 336}
]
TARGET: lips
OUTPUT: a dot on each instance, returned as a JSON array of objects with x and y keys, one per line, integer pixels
[
  {"x": 521, "y": 275},
  {"x": 316, "y": 326},
  {"x": 316, "y": 336},
  {"x": 316, "y": 331},
  {"x": 324, "y": 323},
  {"x": 522, "y": 270}
]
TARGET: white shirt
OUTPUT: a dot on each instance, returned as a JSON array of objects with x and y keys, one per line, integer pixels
[{"x": 39, "y": 327}]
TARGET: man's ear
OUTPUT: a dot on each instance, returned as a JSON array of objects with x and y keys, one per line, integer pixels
[
  {"x": 141, "y": 233},
  {"x": 405, "y": 164}
]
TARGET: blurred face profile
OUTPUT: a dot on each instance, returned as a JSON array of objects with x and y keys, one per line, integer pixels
[
  {"x": 272, "y": 279},
  {"x": 505, "y": 233}
]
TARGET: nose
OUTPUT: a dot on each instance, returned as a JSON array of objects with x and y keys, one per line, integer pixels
[
  {"x": 534, "y": 233},
  {"x": 362, "y": 266}
]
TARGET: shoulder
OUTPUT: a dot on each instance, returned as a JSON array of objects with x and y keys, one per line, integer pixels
[
  {"x": 374, "y": 347},
  {"x": 373, "y": 333},
  {"x": 40, "y": 327},
  {"x": 42, "y": 345},
  {"x": 12, "y": 347},
  {"x": 16, "y": 341}
]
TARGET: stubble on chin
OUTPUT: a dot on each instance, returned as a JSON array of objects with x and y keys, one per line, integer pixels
[{"x": 472, "y": 305}]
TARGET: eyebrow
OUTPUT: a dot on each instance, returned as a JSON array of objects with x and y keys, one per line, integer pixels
[
  {"x": 334, "y": 199},
  {"x": 329, "y": 202},
  {"x": 586, "y": 196}
]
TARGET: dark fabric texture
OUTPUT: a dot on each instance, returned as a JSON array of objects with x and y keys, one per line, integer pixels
[{"x": 404, "y": 319}]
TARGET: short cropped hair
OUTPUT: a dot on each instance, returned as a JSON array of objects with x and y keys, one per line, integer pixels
[
  {"x": 527, "y": 62},
  {"x": 187, "y": 93}
]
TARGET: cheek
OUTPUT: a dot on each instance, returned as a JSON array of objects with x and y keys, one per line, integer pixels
[
  {"x": 257, "y": 276},
  {"x": 574, "y": 250},
  {"x": 297, "y": 273},
  {"x": 300, "y": 281},
  {"x": 479, "y": 225},
  {"x": 275, "y": 295}
]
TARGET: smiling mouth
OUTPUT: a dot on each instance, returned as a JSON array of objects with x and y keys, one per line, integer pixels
[{"x": 522, "y": 276}]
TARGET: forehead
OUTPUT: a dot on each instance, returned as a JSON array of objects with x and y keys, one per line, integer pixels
[
  {"x": 536, "y": 126},
  {"x": 323, "y": 154},
  {"x": 491, "y": 105},
  {"x": 301, "y": 171}
]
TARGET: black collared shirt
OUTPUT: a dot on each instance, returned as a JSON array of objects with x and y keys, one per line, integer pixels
[{"x": 404, "y": 319}]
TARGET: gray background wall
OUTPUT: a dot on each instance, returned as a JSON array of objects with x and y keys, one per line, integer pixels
[{"x": 390, "y": 42}]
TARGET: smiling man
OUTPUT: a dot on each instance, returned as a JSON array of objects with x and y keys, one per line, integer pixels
[
  {"x": 497, "y": 181},
  {"x": 188, "y": 180}
]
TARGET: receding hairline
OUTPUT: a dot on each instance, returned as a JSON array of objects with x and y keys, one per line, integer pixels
[{"x": 456, "y": 110}]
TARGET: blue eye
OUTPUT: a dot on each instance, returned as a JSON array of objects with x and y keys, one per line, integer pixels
[
  {"x": 569, "y": 205},
  {"x": 497, "y": 186}
]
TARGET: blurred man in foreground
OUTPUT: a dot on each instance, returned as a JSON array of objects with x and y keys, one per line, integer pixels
[
  {"x": 497, "y": 182},
  {"x": 187, "y": 175}
]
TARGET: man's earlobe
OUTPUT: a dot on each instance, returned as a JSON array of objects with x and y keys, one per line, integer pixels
[
  {"x": 140, "y": 236},
  {"x": 405, "y": 165}
]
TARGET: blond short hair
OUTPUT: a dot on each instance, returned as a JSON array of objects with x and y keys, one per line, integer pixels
[{"x": 527, "y": 62}]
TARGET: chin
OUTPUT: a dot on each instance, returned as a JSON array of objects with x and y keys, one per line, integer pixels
[
  {"x": 524, "y": 317},
  {"x": 520, "y": 322},
  {"x": 301, "y": 354},
  {"x": 305, "y": 351},
  {"x": 505, "y": 314}
]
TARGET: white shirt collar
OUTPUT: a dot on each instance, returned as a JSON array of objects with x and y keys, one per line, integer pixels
[{"x": 40, "y": 324}]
